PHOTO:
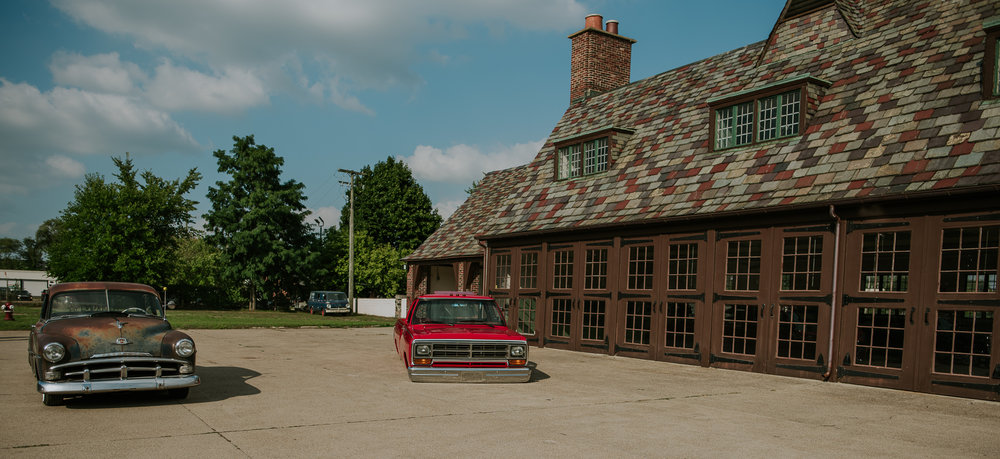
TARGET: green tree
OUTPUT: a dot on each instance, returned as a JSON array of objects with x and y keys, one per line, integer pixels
[
  {"x": 378, "y": 270},
  {"x": 10, "y": 253},
  {"x": 258, "y": 223},
  {"x": 32, "y": 255},
  {"x": 125, "y": 230},
  {"x": 391, "y": 206},
  {"x": 198, "y": 278}
]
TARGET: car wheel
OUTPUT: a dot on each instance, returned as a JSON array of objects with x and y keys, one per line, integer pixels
[
  {"x": 52, "y": 400},
  {"x": 323, "y": 313},
  {"x": 179, "y": 394},
  {"x": 311, "y": 311}
]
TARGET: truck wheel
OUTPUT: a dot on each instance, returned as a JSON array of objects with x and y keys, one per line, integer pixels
[{"x": 52, "y": 400}]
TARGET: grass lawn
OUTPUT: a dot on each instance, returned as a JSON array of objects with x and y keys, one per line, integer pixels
[{"x": 25, "y": 315}]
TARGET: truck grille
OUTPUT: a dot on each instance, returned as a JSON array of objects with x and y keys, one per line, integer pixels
[
  {"x": 471, "y": 350},
  {"x": 119, "y": 368}
]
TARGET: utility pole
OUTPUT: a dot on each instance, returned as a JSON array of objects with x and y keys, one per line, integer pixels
[{"x": 350, "y": 244}]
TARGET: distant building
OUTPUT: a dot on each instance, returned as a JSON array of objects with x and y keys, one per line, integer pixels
[
  {"x": 823, "y": 204},
  {"x": 32, "y": 281}
]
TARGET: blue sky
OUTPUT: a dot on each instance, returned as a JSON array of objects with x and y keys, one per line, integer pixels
[{"x": 454, "y": 88}]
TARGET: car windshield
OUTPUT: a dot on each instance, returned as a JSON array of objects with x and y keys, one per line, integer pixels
[
  {"x": 338, "y": 296},
  {"x": 89, "y": 302},
  {"x": 457, "y": 311}
]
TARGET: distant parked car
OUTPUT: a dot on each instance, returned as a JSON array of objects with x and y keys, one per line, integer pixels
[
  {"x": 95, "y": 337},
  {"x": 327, "y": 302},
  {"x": 23, "y": 295}
]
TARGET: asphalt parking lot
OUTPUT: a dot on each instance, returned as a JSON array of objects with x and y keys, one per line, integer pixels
[{"x": 344, "y": 393}]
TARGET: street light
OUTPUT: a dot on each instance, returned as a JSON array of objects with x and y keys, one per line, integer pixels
[
  {"x": 319, "y": 221},
  {"x": 350, "y": 244}
]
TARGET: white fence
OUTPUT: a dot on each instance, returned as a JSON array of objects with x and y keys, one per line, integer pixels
[{"x": 383, "y": 307}]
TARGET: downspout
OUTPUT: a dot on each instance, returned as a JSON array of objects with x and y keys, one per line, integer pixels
[
  {"x": 486, "y": 266},
  {"x": 833, "y": 291}
]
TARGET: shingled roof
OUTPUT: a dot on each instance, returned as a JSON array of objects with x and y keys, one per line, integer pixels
[
  {"x": 897, "y": 112},
  {"x": 456, "y": 237}
]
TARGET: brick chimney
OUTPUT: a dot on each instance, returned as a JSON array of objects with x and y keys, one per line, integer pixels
[{"x": 601, "y": 59}]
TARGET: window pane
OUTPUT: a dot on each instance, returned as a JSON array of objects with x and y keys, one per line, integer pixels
[
  {"x": 885, "y": 262},
  {"x": 601, "y": 155},
  {"x": 744, "y": 123},
  {"x": 768, "y": 118},
  {"x": 969, "y": 259},
  {"x": 723, "y": 128},
  {"x": 529, "y": 270},
  {"x": 790, "y": 108},
  {"x": 503, "y": 272},
  {"x": 589, "y": 158}
]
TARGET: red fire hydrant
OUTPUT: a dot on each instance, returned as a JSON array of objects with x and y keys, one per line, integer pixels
[{"x": 8, "y": 311}]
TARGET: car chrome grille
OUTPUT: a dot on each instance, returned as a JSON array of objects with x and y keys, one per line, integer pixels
[
  {"x": 470, "y": 350},
  {"x": 119, "y": 368}
]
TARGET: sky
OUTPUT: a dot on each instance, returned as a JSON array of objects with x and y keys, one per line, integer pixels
[{"x": 453, "y": 88}]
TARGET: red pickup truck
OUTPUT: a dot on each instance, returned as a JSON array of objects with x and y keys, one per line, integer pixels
[{"x": 460, "y": 337}]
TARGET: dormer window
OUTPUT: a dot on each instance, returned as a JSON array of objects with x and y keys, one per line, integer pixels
[
  {"x": 585, "y": 158},
  {"x": 772, "y": 112},
  {"x": 588, "y": 153}
]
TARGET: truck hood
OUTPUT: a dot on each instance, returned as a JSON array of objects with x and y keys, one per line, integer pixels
[
  {"x": 104, "y": 335},
  {"x": 465, "y": 331}
]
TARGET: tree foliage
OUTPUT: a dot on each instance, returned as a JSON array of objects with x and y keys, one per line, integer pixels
[
  {"x": 258, "y": 222},
  {"x": 378, "y": 270},
  {"x": 391, "y": 207},
  {"x": 123, "y": 231}
]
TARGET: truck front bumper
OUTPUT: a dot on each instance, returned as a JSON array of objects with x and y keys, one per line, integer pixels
[{"x": 483, "y": 375}]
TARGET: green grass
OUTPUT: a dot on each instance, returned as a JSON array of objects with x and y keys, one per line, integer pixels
[{"x": 25, "y": 316}]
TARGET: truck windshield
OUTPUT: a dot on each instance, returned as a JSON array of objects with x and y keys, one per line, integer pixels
[{"x": 457, "y": 311}]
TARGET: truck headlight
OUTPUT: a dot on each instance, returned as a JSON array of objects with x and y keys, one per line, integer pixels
[
  {"x": 422, "y": 350},
  {"x": 517, "y": 351},
  {"x": 184, "y": 347},
  {"x": 54, "y": 352}
]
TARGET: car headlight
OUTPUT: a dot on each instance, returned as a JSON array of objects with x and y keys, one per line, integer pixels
[
  {"x": 184, "y": 347},
  {"x": 517, "y": 351},
  {"x": 422, "y": 350},
  {"x": 54, "y": 352}
]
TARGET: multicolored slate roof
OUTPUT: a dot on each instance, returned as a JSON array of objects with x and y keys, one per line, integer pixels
[
  {"x": 902, "y": 115},
  {"x": 456, "y": 237},
  {"x": 895, "y": 110}
]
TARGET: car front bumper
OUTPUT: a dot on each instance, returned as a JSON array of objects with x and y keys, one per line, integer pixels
[
  {"x": 332, "y": 310},
  {"x": 117, "y": 385},
  {"x": 447, "y": 374}
]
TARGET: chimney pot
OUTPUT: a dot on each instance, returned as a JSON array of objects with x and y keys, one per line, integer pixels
[
  {"x": 594, "y": 21},
  {"x": 612, "y": 26}
]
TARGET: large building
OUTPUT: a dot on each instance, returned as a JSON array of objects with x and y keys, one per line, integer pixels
[{"x": 823, "y": 204}]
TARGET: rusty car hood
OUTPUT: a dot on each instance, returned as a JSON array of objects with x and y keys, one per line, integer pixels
[
  {"x": 465, "y": 331},
  {"x": 111, "y": 334}
]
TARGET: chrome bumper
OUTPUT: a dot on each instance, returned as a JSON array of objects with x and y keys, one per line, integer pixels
[
  {"x": 117, "y": 385},
  {"x": 444, "y": 374}
]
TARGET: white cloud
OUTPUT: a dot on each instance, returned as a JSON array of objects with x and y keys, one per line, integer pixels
[
  {"x": 103, "y": 73},
  {"x": 42, "y": 131},
  {"x": 465, "y": 163},
  {"x": 65, "y": 167},
  {"x": 358, "y": 44},
  {"x": 178, "y": 88},
  {"x": 69, "y": 120},
  {"x": 446, "y": 208}
]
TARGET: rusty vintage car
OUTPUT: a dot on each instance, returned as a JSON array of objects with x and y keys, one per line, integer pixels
[
  {"x": 95, "y": 337},
  {"x": 460, "y": 337}
]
